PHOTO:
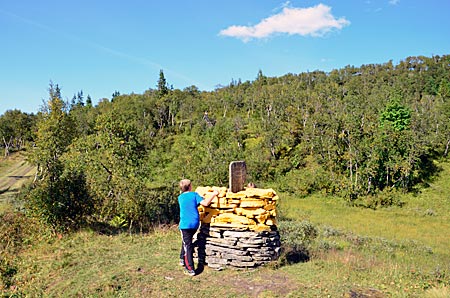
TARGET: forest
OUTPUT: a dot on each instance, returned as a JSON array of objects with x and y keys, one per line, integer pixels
[{"x": 363, "y": 133}]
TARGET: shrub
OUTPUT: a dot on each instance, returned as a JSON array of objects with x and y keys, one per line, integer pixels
[
  {"x": 16, "y": 231},
  {"x": 296, "y": 238},
  {"x": 386, "y": 198},
  {"x": 62, "y": 202}
]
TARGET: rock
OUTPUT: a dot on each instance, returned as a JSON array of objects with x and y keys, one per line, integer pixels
[
  {"x": 238, "y": 229},
  {"x": 238, "y": 234}
]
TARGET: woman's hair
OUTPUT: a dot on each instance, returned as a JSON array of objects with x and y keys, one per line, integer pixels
[{"x": 184, "y": 185}]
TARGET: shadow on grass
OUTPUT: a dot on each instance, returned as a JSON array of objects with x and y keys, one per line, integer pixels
[
  {"x": 103, "y": 228},
  {"x": 295, "y": 255},
  {"x": 2, "y": 191},
  {"x": 292, "y": 255},
  {"x": 428, "y": 172},
  {"x": 200, "y": 268}
]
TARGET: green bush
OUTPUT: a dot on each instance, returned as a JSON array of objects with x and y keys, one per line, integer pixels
[
  {"x": 386, "y": 198},
  {"x": 297, "y": 234},
  {"x": 62, "y": 202},
  {"x": 153, "y": 206}
]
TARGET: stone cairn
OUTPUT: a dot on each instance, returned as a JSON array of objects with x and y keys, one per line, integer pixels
[{"x": 238, "y": 229}]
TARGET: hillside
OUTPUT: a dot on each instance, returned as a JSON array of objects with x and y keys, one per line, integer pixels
[
  {"x": 361, "y": 133},
  {"x": 357, "y": 156},
  {"x": 391, "y": 252}
]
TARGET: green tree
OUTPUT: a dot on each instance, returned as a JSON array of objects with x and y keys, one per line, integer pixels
[
  {"x": 16, "y": 129},
  {"x": 55, "y": 132},
  {"x": 396, "y": 115},
  {"x": 58, "y": 197},
  {"x": 162, "y": 85},
  {"x": 89, "y": 101},
  {"x": 112, "y": 160}
]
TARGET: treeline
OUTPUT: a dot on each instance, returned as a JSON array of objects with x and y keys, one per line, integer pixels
[{"x": 355, "y": 132}]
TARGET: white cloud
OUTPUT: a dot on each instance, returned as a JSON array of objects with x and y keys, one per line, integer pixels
[
  {"x": 394, "y": 2},
  {"x": 314, "y": 21}
]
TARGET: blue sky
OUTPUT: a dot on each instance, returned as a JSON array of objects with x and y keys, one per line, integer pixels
[{"x": 100, "y": 46}]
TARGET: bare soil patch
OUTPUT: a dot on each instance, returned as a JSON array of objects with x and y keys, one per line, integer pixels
[{"x": 261, "y": 283}]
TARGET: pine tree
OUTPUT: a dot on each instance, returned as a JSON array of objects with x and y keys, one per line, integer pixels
[
  {"x": 88, "y": 101},
  {"x": 162, "y": 85}
]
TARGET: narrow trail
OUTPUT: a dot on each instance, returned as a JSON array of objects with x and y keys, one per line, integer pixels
[{"x": 14, "y": 175}]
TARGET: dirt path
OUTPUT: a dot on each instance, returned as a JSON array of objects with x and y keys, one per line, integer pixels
[{"x": 13, "y": 174}]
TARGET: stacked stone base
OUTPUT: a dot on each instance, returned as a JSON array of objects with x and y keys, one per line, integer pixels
[{"x": 237, "y": 248}]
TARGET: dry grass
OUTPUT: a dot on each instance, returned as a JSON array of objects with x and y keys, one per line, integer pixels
[{"x": 14, "y": 172}]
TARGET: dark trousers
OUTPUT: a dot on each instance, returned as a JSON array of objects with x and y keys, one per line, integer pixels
[{"x": 187, "y": 248}]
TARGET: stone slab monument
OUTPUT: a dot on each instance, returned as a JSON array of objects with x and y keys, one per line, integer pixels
[
  {"x": 238, "y": 229},
  {"x": 238, "y": 175}
]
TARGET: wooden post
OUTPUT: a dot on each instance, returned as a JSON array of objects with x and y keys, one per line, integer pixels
[{"x": 238, "y": 175}]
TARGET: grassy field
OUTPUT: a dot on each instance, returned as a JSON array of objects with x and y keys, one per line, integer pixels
[{"x": 393, "y": 252}]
